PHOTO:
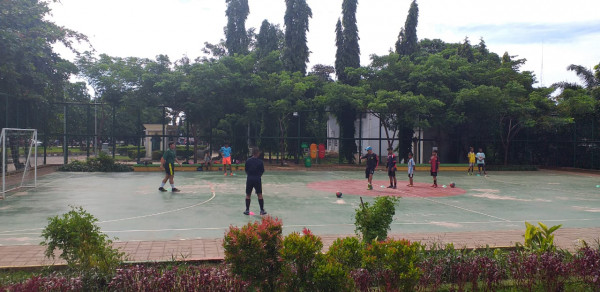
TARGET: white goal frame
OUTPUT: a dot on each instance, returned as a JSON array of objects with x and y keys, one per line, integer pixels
[{"x": 32, "y": 147}]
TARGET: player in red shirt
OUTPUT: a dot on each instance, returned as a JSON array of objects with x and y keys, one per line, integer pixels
[{"x": 435, "y": 166}]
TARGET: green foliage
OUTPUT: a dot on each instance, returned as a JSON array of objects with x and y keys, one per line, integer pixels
[
  {"x": 295, "y": 50},
  {"x": 300, "y": 254},
  {"x": 393, "y": 263},
  {"x": 332, "y": 276},
  {"x": 236, "y": 37},
  {"x": 347, "y": 252},
  {"x": 102, "y": 163},
  {"x": 406, "y": 44},
  {"x": 373, "y": 222},
  {"x": 253, "y": 251},
  {"x": 81, "y": 242},
  {"x": 540, "y": 239}
]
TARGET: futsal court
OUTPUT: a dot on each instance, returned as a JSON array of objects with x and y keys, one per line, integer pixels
[{"x": 130, "y": 207}]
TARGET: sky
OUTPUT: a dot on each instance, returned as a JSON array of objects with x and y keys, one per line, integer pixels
[{"x": 550, "y": 34}]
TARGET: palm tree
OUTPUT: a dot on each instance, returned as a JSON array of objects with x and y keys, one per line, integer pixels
[{"x": 591, "y": 80}]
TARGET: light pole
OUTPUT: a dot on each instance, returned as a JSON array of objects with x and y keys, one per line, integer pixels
[{"x": 297, "y": 116}]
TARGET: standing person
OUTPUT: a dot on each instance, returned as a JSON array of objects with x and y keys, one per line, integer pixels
[
  {"x": 435, "y": 166},
  {"x": 411, "y": 169},
  {"x": 207, "y": 160},
  {"x": 471, "y": 157},
  {"x": 391, "y": 168},
  {"x": 167, "y": 162},
  {"x": 254, "y": 169},
  {"x": 481, "y": 161},
  {"x": 226, "y": 153},
  {"x": 372, "y": 163}
]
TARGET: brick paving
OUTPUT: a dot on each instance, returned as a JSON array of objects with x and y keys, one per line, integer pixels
[{"x": 23, "y": 256}]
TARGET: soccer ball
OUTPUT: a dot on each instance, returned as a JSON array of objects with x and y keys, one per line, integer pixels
[
  {"x": 338, "y": 194},
  {"x": 452, "y": 184}
]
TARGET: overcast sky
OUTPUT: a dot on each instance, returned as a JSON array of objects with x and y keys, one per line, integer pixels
[{"x": 550, "y": 34}]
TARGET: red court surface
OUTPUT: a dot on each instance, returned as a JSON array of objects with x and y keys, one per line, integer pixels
[{"x": 359, "y": 188}]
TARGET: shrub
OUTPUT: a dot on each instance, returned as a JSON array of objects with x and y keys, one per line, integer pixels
[
  {"x": 102, "y": 163},
  {"x": 393, "y": 263},
  {"x": 81, "y": 242},
  {"x": 300, "y": 254},
  {"x": 141, "y": 278},
  {"x": 52, "y": 282},
  {"x": 346, "y": 251},
  {"x": 540, "y": 239},
  {"x": 586, "y": 263},
  {"x": 133, "y": 153},
  {"x": 252, "y": 251},
  {"x": 373, "y": 222},
  {"x": 332, "y": 276}
]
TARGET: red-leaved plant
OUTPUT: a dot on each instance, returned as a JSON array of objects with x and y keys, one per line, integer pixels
[{"x": 252, "y": 252}]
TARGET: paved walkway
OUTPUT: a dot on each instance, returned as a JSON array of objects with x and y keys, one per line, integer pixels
[{"x": 211, "y": 249}]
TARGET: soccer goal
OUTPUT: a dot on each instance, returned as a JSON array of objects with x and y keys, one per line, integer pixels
[{"x": 19, "y": 159}]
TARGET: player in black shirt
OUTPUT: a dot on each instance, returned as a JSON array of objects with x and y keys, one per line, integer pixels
[
  {"x": 372, "y": 163},
  {"x": 254, "y": 169}
]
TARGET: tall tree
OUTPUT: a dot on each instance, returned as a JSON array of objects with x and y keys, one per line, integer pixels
[
  {"x": 295, "y": 52},
  {"x": 30, "y": 71},
  {"x": 347, "y": 41},
  {"x": 407, "y": 38},
  {"x": 236, "y": 37},
  {"x": 269, "y": 38}
]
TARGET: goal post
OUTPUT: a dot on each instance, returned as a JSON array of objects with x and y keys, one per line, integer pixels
[{"x": 19, "y": 159}]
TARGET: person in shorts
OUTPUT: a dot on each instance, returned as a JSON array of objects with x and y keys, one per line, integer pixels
[
  {"x": 254, "y": 168},
  {"x": 411, "y": 169},
  {"x": 391, "y": 168},
  {"x": 481, "y": 161},
  {"x": 226, "y": 152},
  {"x": 167, "y": 162},
  {"x": 471, "y": 157},
  {"x": 435, "y": 166},
  {"x": 372, "y": 163}
]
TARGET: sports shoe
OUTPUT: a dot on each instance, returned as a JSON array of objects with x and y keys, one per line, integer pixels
[
  {"x": 175, "y": 190},
  {"x": 263, "y": 212},
  {"x": 162, "y": 189},
  {"x": 225, "y": 174},
  {"x": 246, "y": 212},
  {"x": 390, "y": 187},
  {"x": 231, "y": 174},
  {"x": 369, "y": 187},
  {"x": 394, "y": 187}
]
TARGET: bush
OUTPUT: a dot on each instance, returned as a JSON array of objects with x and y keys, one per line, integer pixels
[
  {"x": 102, "y": 163},
  {"x": 373, "y": 222},
  {"x": 347, "y": 252},
  {"x": 252, "y": 252},
  {"x": 393, "y": 264},
  {"x": 157, "y": 155},
  {"x": 539, "y": 239},
  {"x": 332, "y": 276},
  {"x": 133, "y": 154},
  {"x": 82, "y": 244},
  {"x": 300, "y": 254}
]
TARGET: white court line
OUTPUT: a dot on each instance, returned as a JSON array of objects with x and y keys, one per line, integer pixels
[{"x": 129, "y": 218}]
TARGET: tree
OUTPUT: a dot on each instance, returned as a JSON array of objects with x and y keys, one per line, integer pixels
[
  {"x": 31, "y": 73},
  {"x": 269, "y": 38},
  {"x": 348, "y": 51},
  {"x": 236, "y": 37},
  {"x": 345, "y": 102},
  {"x": 295, "y": 51},
  {"x": 407, "y": 38}
]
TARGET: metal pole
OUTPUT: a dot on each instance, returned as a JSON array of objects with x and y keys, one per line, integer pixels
[
  {"x": 164, "y": 145},
  {"x": 65, "y": 149},
  {"x": 360, "y": 139},
  {"x": 114, "y": 142},
  {"x": 139, "y": 149}
]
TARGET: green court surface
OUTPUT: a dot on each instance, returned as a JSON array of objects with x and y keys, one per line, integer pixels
[{"x": 129, "y": 206}]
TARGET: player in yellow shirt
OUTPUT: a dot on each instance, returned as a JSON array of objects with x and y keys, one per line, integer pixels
[{"x": 471, "y": 157}]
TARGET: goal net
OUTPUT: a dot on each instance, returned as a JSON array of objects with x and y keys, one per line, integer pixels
[{"x": 19, "y": 159}]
